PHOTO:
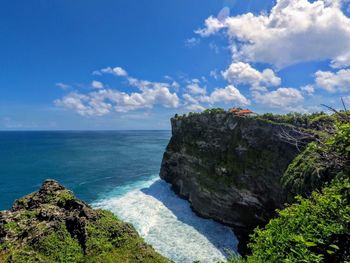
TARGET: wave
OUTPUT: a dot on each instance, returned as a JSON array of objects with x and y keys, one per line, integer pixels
[{"x": 168, "y": 224}]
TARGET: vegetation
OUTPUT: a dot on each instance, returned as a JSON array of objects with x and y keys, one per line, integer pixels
[
  {"x": 313, "y": 230},
  {"x": 316, "y": 228},
  {"x": 320, "y": 162},
  {"x": 298, "y": 119},
  {"x": 109, "y": 240},
  {"x": 53, "y": 226},
  {"x": 207, "y": 111}
]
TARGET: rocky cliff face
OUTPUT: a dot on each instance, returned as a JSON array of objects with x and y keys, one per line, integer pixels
[
  {"x": 228, "y": 167},
  {"x": 51, "y": 225}
]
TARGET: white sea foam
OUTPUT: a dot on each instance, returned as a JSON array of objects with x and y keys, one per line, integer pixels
[{"x": 168, "y": 223}]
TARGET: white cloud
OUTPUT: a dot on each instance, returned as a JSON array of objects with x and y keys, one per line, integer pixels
[
  {"x": 192, "y": 42},
  {"x": 230, "y": 94},
  {"x": 83, "y": 105},
  {"x": 280, "y": 98},
  {"x": 212, "y": 26},
  {"x": 175, "y": 85},
  {"x": 214, "y": 47},
  {"x": 333, "y": 81},
  {"x": 308, "y": 89},
  {"x": 294, "y": 31},
  {"x": 195, "y": 107},
  {"x": 194, "y": 88},
  {"x": 97, "y": 84},
  {"x": 214, "y": 74},
  {"x": 120, "y": 72},
  {"x": 103, "y": 101},
  {"x": 63, "y": 85},
  {"x": 243, "y": 73},
  {"x": 189, "y": 99},
  {"x": 117, "y": 71}
]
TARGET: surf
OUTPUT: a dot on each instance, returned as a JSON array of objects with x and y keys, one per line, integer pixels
[{"x": 167, "y": 222}]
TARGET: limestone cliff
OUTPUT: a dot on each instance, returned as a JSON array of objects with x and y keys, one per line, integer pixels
[
  {"x": 51, "y": 225},
  {"x": 228, "y": 167}
]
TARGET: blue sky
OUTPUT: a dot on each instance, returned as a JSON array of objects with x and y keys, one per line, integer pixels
[{"x": 134, "y": 64}]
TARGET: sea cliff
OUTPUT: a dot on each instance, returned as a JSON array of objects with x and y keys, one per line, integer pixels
[{"x": 229, "y": 167}]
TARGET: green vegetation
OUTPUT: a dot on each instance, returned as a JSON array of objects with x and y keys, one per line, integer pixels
[
  {"x": 53, "y": 226},
  {"x": 319, "y": 163},
  {"x": 298, "y": 119},
  {"x": 207, "y": 111},
  {"x": 108, "y": 240},
  {"x": 316, "y": 228},
  {"x": 313, "y": 230}
]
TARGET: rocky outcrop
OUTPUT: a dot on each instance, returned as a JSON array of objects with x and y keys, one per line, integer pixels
[
  {"x": 51, "y": 225},
  {"x": 228, "y": 167}
]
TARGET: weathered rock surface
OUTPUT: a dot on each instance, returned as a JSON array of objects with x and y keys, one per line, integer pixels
[
  {"x": 228, "y": 167},
  {"x": 51, "y": 225}
]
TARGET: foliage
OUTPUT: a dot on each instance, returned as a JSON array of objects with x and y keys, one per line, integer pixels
[
  {"x": 313, "y": 120},
  {"x": 108, "y": 240},
  {"x": 213, "y": 111},
  {"x": 313, "y": 230},
  {"x": 319, "y": 163},
  {"x": 340, "y": 142},
  {"x": 59, "y": 246},
  {"x": 207, "y": 111},
  {"x": 308, "y": 171}
]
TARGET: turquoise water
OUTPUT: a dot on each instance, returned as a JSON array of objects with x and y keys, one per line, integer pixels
[
  {"x": 118, "y": 171},
  {"x": 89, "y": 163}
]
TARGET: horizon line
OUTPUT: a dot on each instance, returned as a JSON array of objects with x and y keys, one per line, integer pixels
[{"x": 85, "y": 130}]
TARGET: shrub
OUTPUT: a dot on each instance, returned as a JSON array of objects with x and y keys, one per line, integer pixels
[{"x": 312, "y": 230}]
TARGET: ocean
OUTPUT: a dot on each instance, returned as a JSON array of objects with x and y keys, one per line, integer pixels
[{"x": 117, "y": 171}]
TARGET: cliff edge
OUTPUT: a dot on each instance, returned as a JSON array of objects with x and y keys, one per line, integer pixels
[{"x": 228, "y": 167}]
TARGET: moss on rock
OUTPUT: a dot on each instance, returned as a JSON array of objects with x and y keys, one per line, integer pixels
[{"x": 51, "y": 225}]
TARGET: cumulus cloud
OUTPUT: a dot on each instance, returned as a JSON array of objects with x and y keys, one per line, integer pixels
[
  {"x": 281, "y": 98},
  {"x": 117, "y": 71},
  {"x": 333, "y": 81},
  {"x": 105, "y": 100},
  {"x": 97, "y": 84},
  {"x": 102, "y": 102},
  {"x": 62, "y": 85},
  {"x": 230, "y": 94},
  {"x": 308, "y": 89},
  {"x": 195, "y": 107},
  {"x": 293, "y": 31},
  {"x": 243, "y": 73},
  {"x": 194, "y": 88}
]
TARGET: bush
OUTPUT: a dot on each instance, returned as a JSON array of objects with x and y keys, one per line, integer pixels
[
  {"x": 296, "y": 119},
  {"x": 313, "y": 230},
  {"x": 319, "y": 163},
  {"x": 207, "y": 111}
]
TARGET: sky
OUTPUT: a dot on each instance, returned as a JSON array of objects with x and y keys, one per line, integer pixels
[{"x": 122, "y": 65}]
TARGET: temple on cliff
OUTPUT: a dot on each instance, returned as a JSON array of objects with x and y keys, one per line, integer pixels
[{"x": 242, "y": 112}]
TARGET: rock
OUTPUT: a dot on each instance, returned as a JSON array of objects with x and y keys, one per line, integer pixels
[
  {"x": 52, "y": 225},
  {"x": 228, "y": 167}
]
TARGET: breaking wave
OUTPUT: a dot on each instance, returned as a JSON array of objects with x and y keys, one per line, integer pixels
[{"x": 167, "y": 223}]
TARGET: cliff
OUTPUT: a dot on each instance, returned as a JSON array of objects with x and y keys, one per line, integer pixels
[
  {"x": 51, "y": 225},
  {"x": 228, "y": 167}
]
